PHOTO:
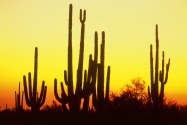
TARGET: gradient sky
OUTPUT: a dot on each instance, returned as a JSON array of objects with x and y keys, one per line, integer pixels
[{"x": 130, "y": 29}]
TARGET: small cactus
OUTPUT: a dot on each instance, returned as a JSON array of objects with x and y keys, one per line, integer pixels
[{"x": 19, "y": 100}]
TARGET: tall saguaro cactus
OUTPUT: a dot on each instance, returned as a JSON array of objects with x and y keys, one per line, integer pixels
[
  {"x": 99, "y": 99},
  {"x": 154, "y": 93},
  {"x": 31, "y": 94},
  {"x": 84, "y": 87},
  {"x": 74, "y": 99}
]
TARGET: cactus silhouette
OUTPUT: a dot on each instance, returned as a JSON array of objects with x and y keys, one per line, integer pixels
[
  {"x": 90, "y": 79},
  {"x": 163, "y": 80},
  {"x": 74, "y": 99},
  {"x": 100, "y": 99},
  {"x": 31, "y": 94},
  {"x": 19, "y": 100},
  {"x": 154, "y": 93},
  {"x": 86, "y": 85}
]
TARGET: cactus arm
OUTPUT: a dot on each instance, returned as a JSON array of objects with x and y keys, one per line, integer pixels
[
  {"x": 162, "y": 80},
  {"x": 107, "y": 84},
  {"x": 167, "y": 70},
  {"x": 89, "y": 80},
  {"x": 96, "y": 47},
  {"x": 40, "y": 103},
  {"x": 162, "y": 71},
  {"x": 42, "y": 92},
  {"x": 82, "y": 19},
  {"x": 64, "y": 97},
  {"x": 30, "y": 85},
  {"x": 28, "y": 101},
  {"x": 56, "y": 92},
  {"x": 65, "y": 77}
]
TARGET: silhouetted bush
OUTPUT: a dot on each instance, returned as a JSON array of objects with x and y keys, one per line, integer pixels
[
  {"x": 53, "y": 107},
  {"x": 132, "y": 97}
]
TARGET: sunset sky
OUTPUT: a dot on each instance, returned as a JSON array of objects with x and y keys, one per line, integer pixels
[{"x": 129, "y": 27}]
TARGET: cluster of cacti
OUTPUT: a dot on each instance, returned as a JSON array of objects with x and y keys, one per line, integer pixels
[
  {"x": 153, "y": 94},
  {"x": 99, "y": 99},
  {"x": 31, "y": 94},
  {"x": 90, "y": 78},
  {"x": 89, "y": 82},
  {"x": 19, "y": 100}
]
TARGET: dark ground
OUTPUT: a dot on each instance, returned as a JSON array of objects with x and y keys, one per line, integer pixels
[{"x": 91, "y": 118}]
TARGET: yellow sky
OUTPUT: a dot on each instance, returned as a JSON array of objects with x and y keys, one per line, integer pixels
[{"x": 130, "y": 29}]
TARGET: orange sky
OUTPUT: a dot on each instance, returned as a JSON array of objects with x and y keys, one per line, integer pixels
[{"x": 129, "y": 27}]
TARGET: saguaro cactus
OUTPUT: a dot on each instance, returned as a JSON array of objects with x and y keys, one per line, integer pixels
[
  {"x": 78, "y": 89},
  {"x": 89, "y": 82},
  {"x": 31, "y": 94},
  {"x": 19, "y": 100},
  {"x": 99, "y": 99},
  {"x": 84, "y": 87},
  {"x": 163, "y": 80},
  {"x": 154, "y": 93},
  {"x": 90, "y": 79},
  {"x": 74, "y": 100}
]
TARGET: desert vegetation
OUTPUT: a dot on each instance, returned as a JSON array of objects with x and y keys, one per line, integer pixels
[{"x": 133, "y": 105}]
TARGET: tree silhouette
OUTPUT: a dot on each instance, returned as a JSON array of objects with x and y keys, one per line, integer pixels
[{"x": 132, "y": 97}]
